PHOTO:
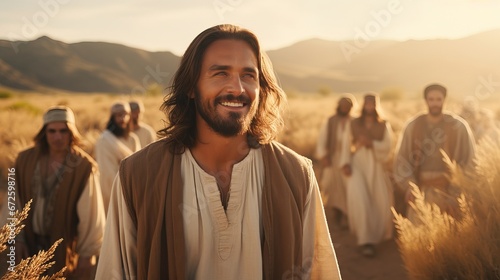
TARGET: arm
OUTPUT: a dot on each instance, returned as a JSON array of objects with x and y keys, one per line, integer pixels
[
  {"x": 404, "y": 166},
  {"x": 90, "y": 211},
  {"x": 319, "y": 259},
  {"x": 118, "y": 257},
  {"x": 321, "y": 151},
  {"x": 90, "y": 227},
  {"x": 383, "y": 147}
]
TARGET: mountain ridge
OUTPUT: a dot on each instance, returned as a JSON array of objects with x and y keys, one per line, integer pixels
[{"x": 306, "y": 66}]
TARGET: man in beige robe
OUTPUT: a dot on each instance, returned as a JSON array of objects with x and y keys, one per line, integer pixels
[
  {"x": 332, "y": 141},
  {"x": 144, "y": 132},
  {"x": 114, "y": 144},
  {"x": 421, "y": 151},
  {"x": 369, "y": 190},
  {"x": 217, "y": 198},
  {"x": 63, "y": 182}
]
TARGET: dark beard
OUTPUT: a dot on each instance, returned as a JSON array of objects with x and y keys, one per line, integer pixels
[
  {"x": 117, "y": 130},
  {"x": 234, "y": 125}
]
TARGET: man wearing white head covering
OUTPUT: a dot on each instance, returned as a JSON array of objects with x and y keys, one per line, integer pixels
[
  {"x": 114, "y": 144},
  {"x": 330, "y": 150},
  {"x": 63, "y": 182},
  {"x": 145, "y": 132}
]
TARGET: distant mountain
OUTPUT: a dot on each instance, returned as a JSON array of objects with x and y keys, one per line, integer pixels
[
  {"x": 463, "y": 65},
  {"x": 83, "y": 67},
  {"x": 469, "y": 66}
]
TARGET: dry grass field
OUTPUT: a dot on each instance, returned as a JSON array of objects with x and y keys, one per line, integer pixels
[{"x": 21, "y": 117}]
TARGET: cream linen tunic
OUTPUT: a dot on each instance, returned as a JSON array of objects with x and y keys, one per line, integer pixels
[
  {"x": 109, "y": 152},
  {"x": 219, "y": 245},
  {"x": 145, "y": 133}
]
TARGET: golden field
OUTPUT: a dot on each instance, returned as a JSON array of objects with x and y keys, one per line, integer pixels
[{"x": 426, "y": 256}]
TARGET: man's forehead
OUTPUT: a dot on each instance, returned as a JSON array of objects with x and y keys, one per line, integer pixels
[
  {"x": 57, "y": 125},
  {"x": 228, "y": 50}
]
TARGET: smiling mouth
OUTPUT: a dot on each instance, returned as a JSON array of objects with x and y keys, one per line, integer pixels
[{"x": 232, "y": 104}]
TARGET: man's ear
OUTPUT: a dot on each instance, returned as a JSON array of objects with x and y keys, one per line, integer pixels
[{"x": 191, "y": 94}]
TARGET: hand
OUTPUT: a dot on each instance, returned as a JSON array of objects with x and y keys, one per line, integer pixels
[
  {"x": 83, "y": 268},
  {"x": 365, "y": 141},
  {"x": 346, "y": 170}
]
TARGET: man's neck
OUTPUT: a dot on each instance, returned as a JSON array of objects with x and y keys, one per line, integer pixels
[
  {"x": 133, "y": 126},
  {"x": 217, "y": 153},
  {"x": 434, "y": 118},
  {"x": 57, "y": 155}
]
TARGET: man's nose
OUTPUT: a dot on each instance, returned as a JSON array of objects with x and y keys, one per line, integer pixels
[{"x": 235, "y": 85}]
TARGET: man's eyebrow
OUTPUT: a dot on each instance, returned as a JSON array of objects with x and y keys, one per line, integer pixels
[{"x": 217, "y": 67}]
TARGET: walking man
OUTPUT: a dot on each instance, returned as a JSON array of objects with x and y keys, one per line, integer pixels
[{"x": 218, "y": 198}]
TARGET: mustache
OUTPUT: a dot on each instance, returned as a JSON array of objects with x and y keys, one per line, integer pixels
[{"x": 231, "y": 98}]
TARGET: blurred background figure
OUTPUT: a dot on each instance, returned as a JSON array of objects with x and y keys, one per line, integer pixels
[
  {"x": 480, "y": 120},
  {"x": 144, "y": 132},
  {"x": 63, "y": 182},
  {"x": 369, "y": 190},
  {"x": 332, "y": 140},
  {"x": 115, "y": 143},
  {"x": 421, "y": 153}
]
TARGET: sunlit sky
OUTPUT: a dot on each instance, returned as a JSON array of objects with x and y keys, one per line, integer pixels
[{"x": 170, "y": 25}]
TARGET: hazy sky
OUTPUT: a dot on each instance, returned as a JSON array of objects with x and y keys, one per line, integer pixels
[{"x": 170, "y": 25}]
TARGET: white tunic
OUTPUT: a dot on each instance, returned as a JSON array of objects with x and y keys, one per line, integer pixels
[
  {"x": 145, "y": 133},
  {"x": 370, "y": 193},
  {"x": 219, "y": 245},
  {"x": 333, "y": 181},
  {"x": 109, "y": 152}
]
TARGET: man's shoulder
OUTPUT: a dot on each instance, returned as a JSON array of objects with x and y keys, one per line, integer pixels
[
  {"x": 153, "y": 152},
  {"x": 80, "y": 153},
  {"x": 281, "y": 151},
  {"x": 146, "y": 126}
]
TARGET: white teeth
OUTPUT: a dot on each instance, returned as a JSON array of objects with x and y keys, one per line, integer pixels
[{"x": 232, "y": 104}]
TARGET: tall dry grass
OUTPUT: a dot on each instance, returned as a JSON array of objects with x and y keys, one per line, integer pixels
[
  {"x": 21, "y": 118},
  {"x": 33, "y": 267},
  {"x": 466, "y": 248}
]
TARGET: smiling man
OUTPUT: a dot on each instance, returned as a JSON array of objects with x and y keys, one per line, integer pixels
[
  {"x": 218, "y": 198},
  {"x": 420, "y": 159}
]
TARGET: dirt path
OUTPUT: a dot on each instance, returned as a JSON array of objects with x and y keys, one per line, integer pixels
[{"x": 386, "y": 265}]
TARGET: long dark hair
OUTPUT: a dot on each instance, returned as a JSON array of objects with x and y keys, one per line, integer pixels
[
  {"x": 180, "y": 129},
  {"x": 41, "y": 139}
]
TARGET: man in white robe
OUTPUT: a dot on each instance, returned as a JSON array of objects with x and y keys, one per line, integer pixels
[
  {"x": 114, "y": 144},
  {"x": 333, "y": 139},
  {"x": 369, "y": 190},
  {"x": 144, "y": 132}
]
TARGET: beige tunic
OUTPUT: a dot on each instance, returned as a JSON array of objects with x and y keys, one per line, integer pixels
[
  {"x": 145, "y": 133},
  {"x": 219, "y": 245},
  {"x": 432, "y": 165},
  {"x": 333, "y": 182},
  {"x": 109, "y": 151}
]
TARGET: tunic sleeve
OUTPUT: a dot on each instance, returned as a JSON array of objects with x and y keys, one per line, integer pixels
[
  {"x": 321, "y": 143},
  {"x": 118, "y": 258},
  {"x": 465, "y": 148},
  {"x": 383, "y": 147},
  {"x": 319, "y": 259},
  {"x": 91, "y": 218},
  {"x": 345, "y": 146},
  {"x": 404, "y": 167}
]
